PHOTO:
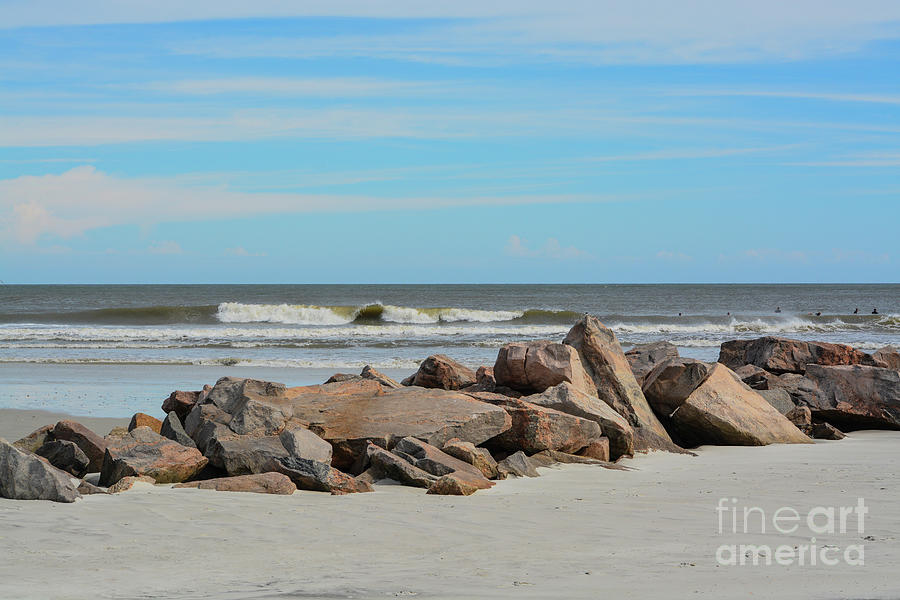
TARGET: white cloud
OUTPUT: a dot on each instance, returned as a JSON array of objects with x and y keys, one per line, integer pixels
[
  {"x": 517, "y": 247},
  {"x": 84, "y": 198},
  {"x": 166, "y": 247}
]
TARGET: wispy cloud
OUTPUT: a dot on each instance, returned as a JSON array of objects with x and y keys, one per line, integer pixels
[
  {"x": 344, "y": 87},
  {"x": 165, "y": 247},
  {"x": 551, "y": 248},
  {"x": 241, "y": 251},
  {"x": 793, "y": 95},
  {"x": 84, "y": 198}
]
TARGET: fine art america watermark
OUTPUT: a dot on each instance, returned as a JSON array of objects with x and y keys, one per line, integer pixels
[{"x": 819, "y": 521}]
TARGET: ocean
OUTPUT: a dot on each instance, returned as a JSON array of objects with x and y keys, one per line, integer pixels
[{"x": 113, "y": 349}]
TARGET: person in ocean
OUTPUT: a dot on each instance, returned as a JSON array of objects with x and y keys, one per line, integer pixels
[
  {"x": 856, "y": 312},
  {"x": 874, "y": 311},
  {"x": 819, "y": 313},
  {"x": 778, "y": 309}
]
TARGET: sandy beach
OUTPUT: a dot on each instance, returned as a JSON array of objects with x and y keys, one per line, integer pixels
[{"x": 576, "y": 532}]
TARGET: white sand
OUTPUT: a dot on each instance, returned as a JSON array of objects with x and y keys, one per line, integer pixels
[
  {"x": 576, "y": 532},
  {"x": 15, "y": 424}
]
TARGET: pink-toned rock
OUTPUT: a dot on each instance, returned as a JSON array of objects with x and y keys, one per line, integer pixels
[
  {"x": 724, "y": 410},
  {"x": 90, "y": 443},
  {"x": 598, "y": 449},
  {"x": 144, "y": 420},
  {"x": 144, "y": 452},
  {"x": 782, "y": 355},
  {"x": 34, "y": 440},
  {"x": 442, "y": 372},
  {"x": 535, "y": 428},
  {"x": 615, "y": 384},
  {"x": 644, "y": 357},
  {"x": 468, "y": 452},
  {"x": 890, "y": 356},
  {"x": 533, "y": 367},
  {"x": 453, "y": 485},
  {"x": 369, "y": 373},
  {"x": 257, "y": 483}
]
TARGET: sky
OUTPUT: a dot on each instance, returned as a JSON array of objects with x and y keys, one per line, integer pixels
[{"x": 469, "y": 142}]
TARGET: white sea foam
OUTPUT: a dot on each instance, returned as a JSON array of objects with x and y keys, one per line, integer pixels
[
  {"x": 234, "y": 312},
  {"x": 301, "y": 314}
]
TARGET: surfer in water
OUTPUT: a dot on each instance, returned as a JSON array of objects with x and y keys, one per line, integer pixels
[
  {"x": 778, "y": 309},
  {"x": 874, "y": 311},
  {"x": 856, "y": 312}
]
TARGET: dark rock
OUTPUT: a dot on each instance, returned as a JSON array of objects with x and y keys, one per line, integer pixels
[
  {"x": 438, "y": 463},
  {"x": 801, "y": 390},
  {"x": 782, "y": 355},
  {"x": 856, "y": 397},
  {"x": 779, "y": 398},
  {"x": 533, "y": 367},
  {"x": 610, "y": 371},
  {"x": 758, "y": 379},
  {"x": 66, "y": 456},
  {"x": 144, "y": 452},
  {"x": 259, "y": 415},
  {"x": 93, "y": 446},
  {"x": 341, "y": 377},
  {"x": 518, "y": 464},
  {"x": 440, "y": 371},
  {"x": 826, "y": 431},
  {"x": 24, "y": 476},
  {"x": 644, "y": 357},
  {"x": 172, "y": 429},
  {"x": 801, "y": 417},
  {"x": 257, "y": 483},
  {"x": 392, "y": 466},
  {"x": 144, "y": 420},
  {"x": 86, "y": 489},
  {"x": 568, "y": 399},
  {"x": 245, "y": 455},
  {"x": 181, "y": 403},
  {"x": 230, "y": 392},
  {"x": 669, "y": 384}
]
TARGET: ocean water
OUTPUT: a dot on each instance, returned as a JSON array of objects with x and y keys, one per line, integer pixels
[{"x": 83, "y": 338}]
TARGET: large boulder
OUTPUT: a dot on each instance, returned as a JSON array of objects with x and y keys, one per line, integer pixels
[
  {"x": 782, "y": 355},
  {"x": 518, "y": 464},
  {"x": 779, "y": 398},
  {"x": 144, "y": 452},
  {"x": 181, "y": 403},
  {"x": 533, "y": 367},
  {"x": 440, "y": 371},
  {"x": 535, "y": 428},
  {"x": 93, "y": 446},
  {"x": 24, "y": 476},
  {"x": 244, "y": 455},
  {"x": 644, "y": 357},
  {"x": 888, "y": 355},
  {"x": 257, "y": 483},
  {"x": 856, "y": 397},
  {"x": 230, "y": 393},
  {"x": 66, "y": 456},
  {"x": 724, "y": 410},
  {"x": 611, "y": 374},
  {"x": 566, "y": 398},
  {"x": 801, "y": 389},
  {"x": 319, "y": 476},
  {"x": 349, "y": 421}
]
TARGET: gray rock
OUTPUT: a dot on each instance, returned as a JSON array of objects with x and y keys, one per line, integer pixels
[
  {"x": 243, "y": 455},
  {"x": 228, "y": 392},
  {"x": 254, "y": 414},
  {"x": 172, "y": 429},
  {"x": 303, "y": 443},
  {"x": 856, "y": 397},
  {"x": 890, "y": 356},
  {"x": 672, "y": 381},
  {"x": 518, "y": 464},
  {"x": 27, "y": 477},
  {"x": 644, "y": 357},
  {"x": 779, "y": 398},
  {"x": 93, "y": 446},
  {"x": 66, "y": 456},
  {"x": 319, "y": 476},
  {"x": 396, "y": 468},
  {"x": 369, "y": 373}
]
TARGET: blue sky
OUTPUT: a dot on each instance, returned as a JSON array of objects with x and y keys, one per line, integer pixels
[{"x": 519, "y": 141}]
